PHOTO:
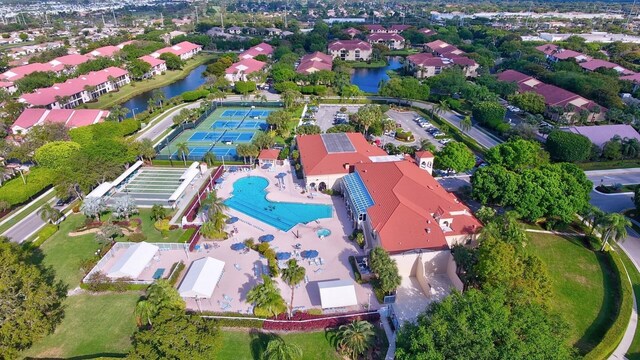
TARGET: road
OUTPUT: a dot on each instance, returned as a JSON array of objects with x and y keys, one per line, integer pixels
[
  {"x": 27, "y": 226},
  {"x": 613, "y": 202},
  {"x": 157, "y": 129}
]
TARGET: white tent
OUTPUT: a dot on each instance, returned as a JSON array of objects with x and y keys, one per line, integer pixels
[
  {"x": 337, "y": 293},
  {"x": 202, "y": 278},
  {"x": 133, "y": 261}
]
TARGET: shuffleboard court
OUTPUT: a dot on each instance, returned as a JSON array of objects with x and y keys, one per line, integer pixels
[{"x": 150, "y": 186}]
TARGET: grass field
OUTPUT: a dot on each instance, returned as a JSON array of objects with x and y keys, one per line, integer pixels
[
  {"x": 242, "y": 345},
  {"x": 128, "y": 91},
  {"x": 634, "y": 350},
  {"x": 583, "y": 287},
  {"x": 94, "y": 326},
  {"x": 606, "y": 165}
]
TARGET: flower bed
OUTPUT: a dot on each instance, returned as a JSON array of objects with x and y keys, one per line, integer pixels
[{"x": 301, "y": 321}]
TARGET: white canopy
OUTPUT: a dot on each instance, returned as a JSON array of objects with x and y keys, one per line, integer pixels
[
  {"x": 101, "y": 190},
  {"x": 202, "y": 278},
  {"x": 337, "y": 293},
  {"x": 133, "y": 261},
  {"x": 138, "y": 164}
]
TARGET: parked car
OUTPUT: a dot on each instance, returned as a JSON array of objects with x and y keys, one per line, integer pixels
[
  {"x": 445, "y": 141},
  {"x": 64, "y": 201}
]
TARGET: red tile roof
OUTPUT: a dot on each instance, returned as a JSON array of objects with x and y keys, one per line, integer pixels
[
  {"x": 427, "y": 59},
  {"x": 595, "y": 64},
  {"x": 317, "y": 61},
  {"x": 260, "y": 49},
  {"x": 633, "y": 78},
  {"x": 317, "y": 56},
  {"x": 179, "y": 48},
  {"x": 269, "y": 154},
  {"x": 21, "y": 71},
  {"x": 560, "y": 53},
  {"x": 407, "y": 205},
  {"x": 70, "y": 60},
  {"x": 6, "y": 84},
  {"x": 349, "y": 45},
  {"x": 513, "y": 76},
  {"x": 316, "y": 160},
  {"x": 151, "y": 60},
  {"x": 384, "y": 37},
  {"x": 71, "y": 118},
  {"x": 107, "y": 51},
  {"x": 352, "y": 31},
  {"x": 246, "y": 66},
  {"x": 426, "y": 31}
]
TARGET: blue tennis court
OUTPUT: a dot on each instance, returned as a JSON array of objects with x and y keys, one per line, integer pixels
[
  {"x": 206, "y": 136},
  {"x": 199, "y": 151},
  {"x": 247, "y": 124},
  {"x": 223, "y": 136},
  {"x": 235, "y": 113},
  {"x": 259, "y": 113}
]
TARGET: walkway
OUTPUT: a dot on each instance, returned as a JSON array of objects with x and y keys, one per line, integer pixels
[
  {"x": 391, "y": 336},
  {"x": 554, "y": 232}
]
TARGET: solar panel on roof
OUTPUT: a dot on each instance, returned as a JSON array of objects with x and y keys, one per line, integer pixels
[{"x": 337, "y": 143}]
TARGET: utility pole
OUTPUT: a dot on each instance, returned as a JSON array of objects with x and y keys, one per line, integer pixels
[
  {"x": 115, "y": 21},
  {"x": 285, "y": 14},
  {"x": 222, "y": 16},
  {"x": 196, "y": 14},
  {"x": 630, "y": 13},
  {"x": 104, "y": 24}
]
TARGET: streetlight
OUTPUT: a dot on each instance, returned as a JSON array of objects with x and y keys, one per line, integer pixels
[{"x": 134, "y": 113}]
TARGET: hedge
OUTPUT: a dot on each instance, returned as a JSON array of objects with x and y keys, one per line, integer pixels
[
  {"x": 175, "y": 274},
  {"x": 239, "y": 320},
  {"x": 320, "y": 322},
  {"x": 614, "y": 335},
  {"x": 194, "y": 95},
  {"x": 16, "y": 192},
  {"x": 184, "y": 238}
]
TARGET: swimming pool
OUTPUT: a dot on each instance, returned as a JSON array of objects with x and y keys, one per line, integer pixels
[{"x": 250, "y": 198}]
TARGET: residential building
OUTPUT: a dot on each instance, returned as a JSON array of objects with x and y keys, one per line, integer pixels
[
  {"x": 441, "y": 48},
  {"x": 185, "y": 50},
  {"x": 554, "y": 53},
  {"x": 273, "y": 31},
  {"x": 425, "y": 65},
  {"x": 71, "y": 118},
  {"x": 8, "y": 86},
  {"x": 326, "y": 158},
  {"x": 77, "y": 91},
  {"x": 427, "y": 32},
  {"x": 158, "y": 66},
  {"x": 392, "y": 41},
  {"x": 398, "y": 28},
  {"x": 352, "y": 32},
  {"x": 595, "y": 64},
  {"x": 600, "y": 134},
  {"x": 316, "y": 61},
  {"x": 62, "y": 64},
  {"x": 105, "y": 51},
  {"x": 260, "y": 49},
  {"x": 69, "y": 63},
  {"x": 375, "y": 28},
  {"x": 239, "y": 71},
  {"x": 561, "y": 104},
  {"x": 235, "y": 30},
  {"x": 350, "y": 50}
]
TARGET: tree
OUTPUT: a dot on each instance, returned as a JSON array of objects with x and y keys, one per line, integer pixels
[
  {"x": 138, "y": 68},
  {"x": 158, "y": 97},
  {"x": 144, "y": 312},
  {"x": 209, "y": 158},
  {"x": 290, "y": 98},
  {"x": 93, "y": 207},
  {"x": 292, "y": 276},
  {"x": 55, "y": 154},
  {"x": 172, "y": 60},
  {"x": 278, "y": 349},
  {"x": 455, "y": 156},
  {"x": 279, "y": 119},
  {"x": 308, "y": 129},
  {"x": 490, "y": 113},
  {"x": 245, "y": 87},
  {"x": 569, "y": 147},
  {"x": 341, "y": 128},
  {"x": 158, "y": 212},
  {"x": 213, "y": 204},
  {"x": 614, "y": 228},
  {"x": 31, "y": 300},
  {"x": 466, "y": 124},
  {"x": 517, "y": 155},
  {"x": 448, "y": 82},
  {"x": 144, "y": 149},
  {"x": 267, "y": 299},
  {"x": 386, "y": 270},
  {"x": 262, "y": 140},
  {"x": 50, "y": 214},
  {"x": 368, "y": 115},
  {"x": 117, "y": 113},
  {"x": 529, "y": 101},
  {"x": 355, "y": 339},
  {"x": 183, "y": 151},
  {"x": 124, "y": 206},
  {"x": 483, "y": 325}
]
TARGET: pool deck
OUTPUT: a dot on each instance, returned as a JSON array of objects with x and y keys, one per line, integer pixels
[{"x": 240, "y": 275}]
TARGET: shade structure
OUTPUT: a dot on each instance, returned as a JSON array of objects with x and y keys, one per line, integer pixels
[
  {"x": 202, "y": 278},
  {"x": 219, "y": 180},
  {"x": 133, "y": 261},
  {"x": 266, "y": 238},
  {"x": 233, "y": 169},
  {"x": 281, "y": 175},
  {"x": 238, "y": 246},
  {"x": 283, "y": 255},
  {"x": 337, "y": 294},
  {"x": 266, "y": 165},
  {"x": 232, "y": 220},
  {"x": 309, "y": 254}
]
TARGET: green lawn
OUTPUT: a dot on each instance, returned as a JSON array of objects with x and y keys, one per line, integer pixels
[
  {"x": 65, "y": 253},
  {"x": 94, "y": 326},
  {"x": 136, "y": 88},
  {"x": 242, "y": 345},
  {"x": 583, "y": 286},
  {"x": 154, "y": 235},
  {"x": 606, "y": 165}
]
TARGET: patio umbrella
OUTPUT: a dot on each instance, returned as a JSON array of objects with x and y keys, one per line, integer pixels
[
  {"x": 232, "y": 220},
  {"x": 219, "y": 180},
  {"x": 233, "y": 169},
  {"x": 266, "y": 238},
  {"x": 309, "y": 254},
  {"x": 238, "y": 246},
  {"x": 266, "y": 166},
  {"x": 281, "y": 175},
  {"x": 283, "y": 255}
]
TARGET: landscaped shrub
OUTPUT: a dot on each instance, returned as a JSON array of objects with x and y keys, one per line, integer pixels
[
  {"x": 404, "y": 135},
  {"x": 175, "y": 271},
  {"x": 16, "y": 192},
  {"x": 162, "y": 225},
  {"x": 186, "y": 235},
  {"x": 99, "y": 282},
  {"x": 189, "y": 96},
  {"x": 239, "y": 320},
  {"x": 321, "y": 322},
  {"x": 46, "y": 232},
  {"x": 137, "y": 237}
]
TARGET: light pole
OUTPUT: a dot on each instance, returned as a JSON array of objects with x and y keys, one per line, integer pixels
[{"x": 134, "y": 113}]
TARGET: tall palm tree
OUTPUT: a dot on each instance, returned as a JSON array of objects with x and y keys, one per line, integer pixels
[
  {"x": 355, "y": 338},
  {"x": 214, "y": 204},
  {"x": 50, "y": 214},
  {"x": 292, "y": 276},
  {"x": 158, "y": 96},
  {"x": 277, "y": 349},
  {"x": 440, "y": 107},
  {"x": 151, "y": 104},
  {"x": 266, "y": 297},
  {"x": 466, "y": 124},
  {"x": 144, "y": 311},
  {"x": 183, "y": 151},
  {"x": 594, "y": 216},
  {"x": 209, "y": 158},
  {"x": 614, "y": 228}
]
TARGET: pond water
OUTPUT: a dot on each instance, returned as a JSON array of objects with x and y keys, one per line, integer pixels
[
  {"x": 369, "y": 79},
  {"x": 190, "y": 82}
]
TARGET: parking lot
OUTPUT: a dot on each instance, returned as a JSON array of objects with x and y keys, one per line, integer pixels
[
  {"x": 405, "y": 118},
  {"x": 326, "y": 114}
]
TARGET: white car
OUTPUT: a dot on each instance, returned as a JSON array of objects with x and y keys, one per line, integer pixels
[
  {"x": 445, "y": 141},
  {"x": 425, "y": 125}
]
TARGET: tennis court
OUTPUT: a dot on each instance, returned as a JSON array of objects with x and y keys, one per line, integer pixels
[
  {"x": 222, "y": 136},
  {"x": 199, "y": 151},
  {"x": 234, "y": 124},
  {"x": 234, "y": 113}
]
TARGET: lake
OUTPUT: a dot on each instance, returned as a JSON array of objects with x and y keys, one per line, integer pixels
[
  {"x": 190, "y": 82},
  {"x": 369, "y": 79}
]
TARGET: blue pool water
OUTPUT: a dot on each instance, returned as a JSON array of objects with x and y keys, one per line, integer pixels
[
  {"x": 323, "y": 232},
  {"x": 249, "y": 197}
]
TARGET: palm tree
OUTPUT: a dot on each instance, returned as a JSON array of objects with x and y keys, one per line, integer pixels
[
  {"x": 209, "y": 158},
  {"x": 49, "y": 214},
  {"x": 466, "y": 124},
  {"x": 158, "y": 97},
  {"x": 144, "y": 311},
  {"x": 355, "y": 338},
  {"x": 145, "y": 149},
  {"x": 113, "y": 81},
  {"x": 151, "y": 104},
  {"x": 183, "y": 151},
  {"x": 214, "y": 204},
  {"x": 292, "y": 276},
  {"x": 440, "y": 107},
  {"x": 266, "y": 297},
  {"x": 614, "y": 228},
  {"x": 277, "y": 349},
  {"x": 595, "y": 217},
  {"x": 118, "y": 112}
]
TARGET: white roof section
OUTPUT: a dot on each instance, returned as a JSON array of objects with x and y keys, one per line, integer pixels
[
  {"x": 186, "y": 179},
  {"x": 386, "y": 158},
  {"x": 202, "y": 278},
  {"x": 192, "y": 168},
  {"x": 100, "y": 190},
  {"x": 337, "y": 294},
  {"x": 133, "y": 261},
  {"x": 127, "y": 172}
]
